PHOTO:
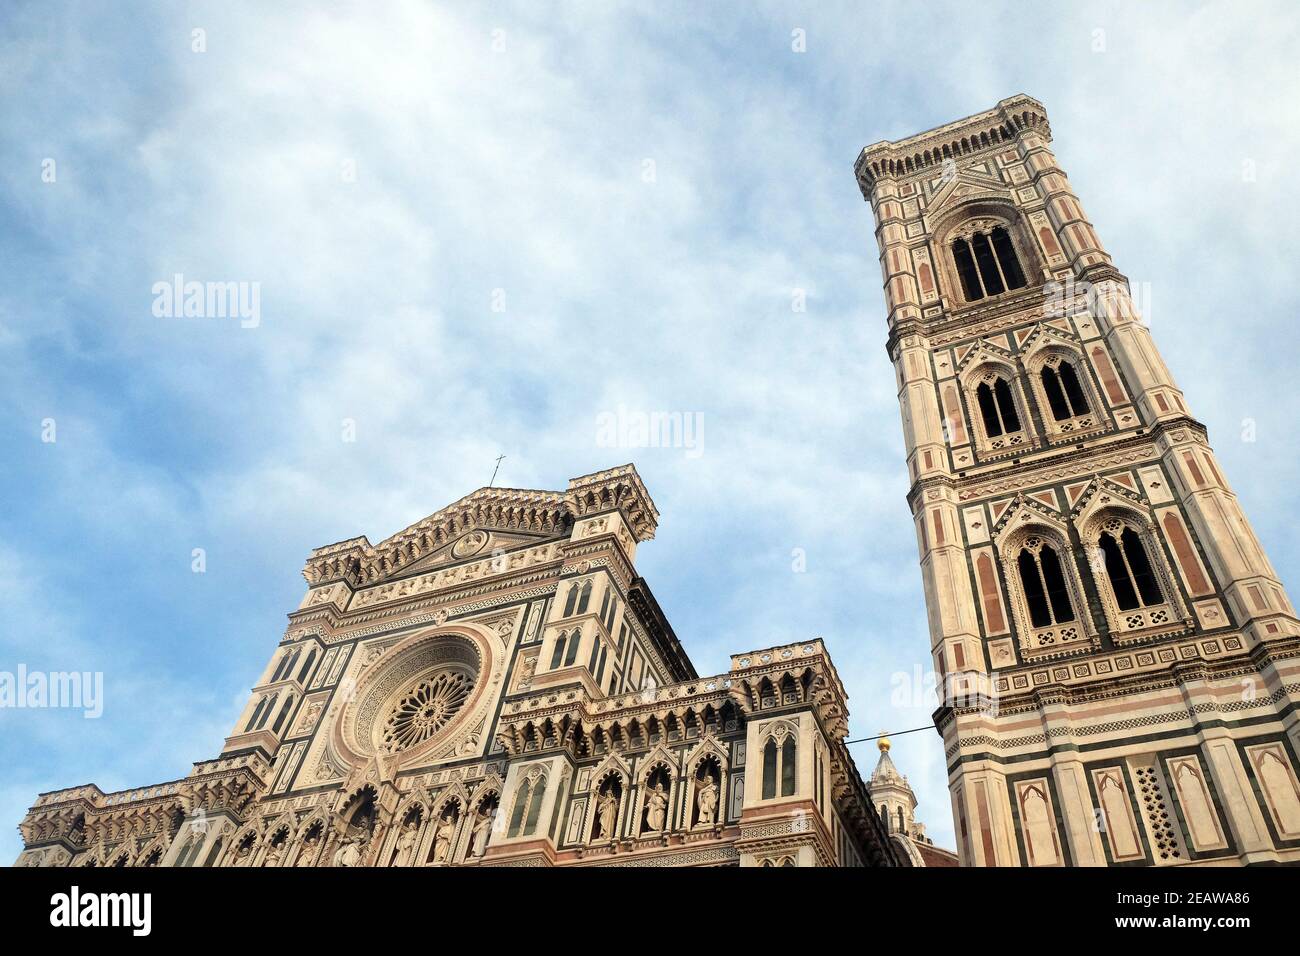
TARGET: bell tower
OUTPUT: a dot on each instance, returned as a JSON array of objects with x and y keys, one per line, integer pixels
[{"x": 1119, "y": 662}]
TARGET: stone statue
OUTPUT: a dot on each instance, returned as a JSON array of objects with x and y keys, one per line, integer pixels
[
  {"x": 656, "y": 803},
  {"x": 442, "y": 838},
  {"x": 706, "y": 799},
  {"x": 348, "y": 852},
  {"x": 274, "y": 853},
  {"x": 482, "y": 829},
  {"x": 244, "y": 853},
  {"x": 307, "y": 853},
  {"x": 405, "y": 844},
  {"x": 607, "y": 810}
]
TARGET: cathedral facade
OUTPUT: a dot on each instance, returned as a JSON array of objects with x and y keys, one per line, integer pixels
[
  {"x": 496, "y": 686},
  {"x": 1120, "y": 661}
]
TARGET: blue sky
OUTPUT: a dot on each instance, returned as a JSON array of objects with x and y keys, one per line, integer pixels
[{"x": 504, "y": 146}]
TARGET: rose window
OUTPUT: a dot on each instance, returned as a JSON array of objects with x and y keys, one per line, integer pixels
[
  {"x": 413, "y": 698},
  {"x": 425, "y": 709}
]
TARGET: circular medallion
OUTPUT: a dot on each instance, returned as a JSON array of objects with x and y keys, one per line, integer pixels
[
  {"x": 415, "y": 698},
  {"x": 469, "y": 544}
]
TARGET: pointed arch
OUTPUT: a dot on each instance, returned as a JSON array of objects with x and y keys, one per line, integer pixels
[
  {"x": 287, "y": 706},
  {"x": 987, "y": 244},
  {"x": 309, "y": 842},
  {"x": 1130, "y": 569},
  {"x": 998, "y": 410},
  {"x": 609, "y": 792},
  {"x": 1042, "y": 577},
  {"x": 526, "y": 802},
  {"x": 1062, "y": 385},
  {"x": 151, "y": 857},
  {"x": 305, "y": 671},
  {"x": 709, "y": 759},
  {"x": 557, "y": 654},
  {"x": 444, "y": 826},
  {"x": 278, "y": 841},
  {"x": 245, "y": 844},
  {"x": 575, "y": 641}
]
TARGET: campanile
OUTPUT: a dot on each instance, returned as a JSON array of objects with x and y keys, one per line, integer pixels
[{"x": 1119, "y": 660}]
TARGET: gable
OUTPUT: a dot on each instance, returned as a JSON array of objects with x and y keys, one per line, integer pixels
[
  {"x": 968, "y": 185},
  {"x": 475, "y": 543}
]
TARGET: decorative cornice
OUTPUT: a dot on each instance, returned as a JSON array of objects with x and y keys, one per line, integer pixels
[
  {"x": 1019, "y": 690},
  {"x": 84, "y": 818},
  {"x": 983, "y": 132},
  {"x": 754, "y": 685},
  {"x": 544, "y": 513},
  {"x": 618, "y": 488},
  {"x": 1057, "y": 463}
]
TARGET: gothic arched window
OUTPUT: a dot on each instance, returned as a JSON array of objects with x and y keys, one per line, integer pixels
[
  {"x": 585, "y": 598},
  {"x": 1064, "y": 393},
  {"x": 213, "y": 853},
  {"x": 528, "y": 806},
  {"x": 769, "y": 769},
  {"x": 535, "y": 806},
  {"x": 572, "y": 600},
  {"x": 284, "y": 712},
  {"x": 558, "y": 654},
  {"x": 779, "y": 765},
  {"x": 257, "y": 713},
  {"x": 1128, "y": 569},
  {"x": 521, "y": 806},
  {"x": 282, "y": 666},
  {"x": 997, "y": 408},
  {"x": 574, "y": 640},
  {"x": 306, "y": 667},
  {"x": 190, "y": 850},
  {"x": 266, "y": 714},
  {"x": 1043, "y": 583},
  {"x": 986, "y": 263},
  {"x": 787, "y": 767}
]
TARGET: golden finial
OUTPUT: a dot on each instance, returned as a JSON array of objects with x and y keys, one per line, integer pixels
[{"x": 883, "y": 743}]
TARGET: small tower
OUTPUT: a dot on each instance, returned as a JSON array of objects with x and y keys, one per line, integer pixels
[
  {"x": 896, "y": 804},
  {"x": 895, "y": 801}
]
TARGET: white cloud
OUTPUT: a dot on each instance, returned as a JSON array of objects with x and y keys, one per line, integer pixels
[{"x": 522, "y": 170}]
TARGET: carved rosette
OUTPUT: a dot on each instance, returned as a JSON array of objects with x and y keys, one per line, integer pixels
[{"x": 420, "y": 699}]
